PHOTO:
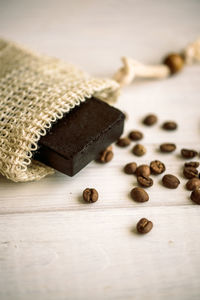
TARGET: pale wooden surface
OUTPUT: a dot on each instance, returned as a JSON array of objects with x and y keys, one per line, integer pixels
[{"x": 53, "y": 246}]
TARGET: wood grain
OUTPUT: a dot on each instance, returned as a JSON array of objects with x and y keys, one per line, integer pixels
[
  {"x": 98, "y": 254},
  {"x": 54, "y": 246}
]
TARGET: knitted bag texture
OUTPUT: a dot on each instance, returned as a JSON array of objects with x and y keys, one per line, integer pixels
[{"x": 35, "y": 91}]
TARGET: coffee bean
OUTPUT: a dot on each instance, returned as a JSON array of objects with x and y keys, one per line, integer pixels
[
  {"x": 194, "y": 164},
  {"x": 130, "y": 168},
  {"x": 193, "y": 184},
  {"x": 157, "y": 167},
  {"x": 175, "y": 62},
  {"x": 170, "y": 181},
  {"x": 135, "y": 135},
  {"x": 109, "y": 148},
  {"x": 143, "y": 170},
  {"x": 195, "y": 196},
  {"x": 144, "y": 226},
  {"x": 150, "y": 120},
  {"x": 190, "y": 172},
  {"x": 167, "y": 147},
  {"x": 139, "y": 195},
  {"x": 123, "y": 142},
  {"x": 145, "y": 181},
  {"x": 90, "y": 195},
  {"x": 170, "y": 125},
  {"x": 139, "y": 150},
  {"x": 188, "y": 153},
  {"x": 106, "y": 155}
]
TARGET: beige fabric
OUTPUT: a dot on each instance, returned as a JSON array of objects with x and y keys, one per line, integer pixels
[{"x": 35, "y": 91}]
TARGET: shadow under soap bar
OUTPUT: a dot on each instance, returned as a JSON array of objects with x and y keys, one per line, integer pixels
[{"x": 78, "y": 138}]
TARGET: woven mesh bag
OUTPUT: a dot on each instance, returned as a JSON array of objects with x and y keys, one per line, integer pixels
[{"x": 35, "y": 91}]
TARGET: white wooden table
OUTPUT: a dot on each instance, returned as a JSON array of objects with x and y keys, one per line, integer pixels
[{"x": 52, "y": 245}]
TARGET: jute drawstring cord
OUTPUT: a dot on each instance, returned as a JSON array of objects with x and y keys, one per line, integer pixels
[{"x": 132, "y": 69}]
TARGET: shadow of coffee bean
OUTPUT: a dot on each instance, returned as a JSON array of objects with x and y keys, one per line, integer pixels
[{"x": 80, "y": 199}]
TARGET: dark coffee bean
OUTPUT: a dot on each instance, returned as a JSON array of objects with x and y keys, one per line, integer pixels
[
  {"x": 157, "y": 167},
  {"x": 145, "y": 181},
  {"x": 135, "y": 135},
  {"x": 130, "y": 168},
  {"x": 175, "y": 62},
  {"x": 90, "y": 195},
  {"x": 144, "y": 226},
  {"x": 139, "y": 150},
  {"x": 167, "y": 147},
  {"x": 139, "y": 195},
  {"x": 188, "y": 153},
  {"x": 193, "y": 184},
  {"x": 143, "y": 170},
  {"x": 123, "y": 142},
  {"x": 195, "y": 196},
  {"x": 170, "y": 181},
  {"x": 150, "y": 120},
  {"x": 106, "y": 155},
  {"x": 190, "y": 172},
  {"x": 170, "y": 125},
  {"x": 194, "y": 164}
]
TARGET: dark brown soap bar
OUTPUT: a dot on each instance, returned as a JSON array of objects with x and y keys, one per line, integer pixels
[{"x": 79, "y": 137}]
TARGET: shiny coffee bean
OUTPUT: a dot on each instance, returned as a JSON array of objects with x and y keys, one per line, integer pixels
[
  {"x": 139, "y": 195},
  {"x": 90, "y": 195},
  {"x": 193, "y": 184},
  {"x": 144, "y": 226},
  {"x": 167, "y": 147},
  {"x": 145, "y": 181},
  {"x": 193, "y": 164},
  {"x": 190, "y": 172},
  {"x": 170, "y": 125},
  {"x": 130, "y": 168},
  {"x": 170, "y": 181},
  {"x": 106, "y": 155},
  {"x": 139, "y": 150},
  {"x": 150, "y": 120},
  {"x": 188, "y": 153},
  {"x": 143, "y": 170},
  {"x": 123, "y": 142},
  {"x": 157, "y": 167},
  {"x": 135, "y": 135},
  {"x": 195, "y": 196}
]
